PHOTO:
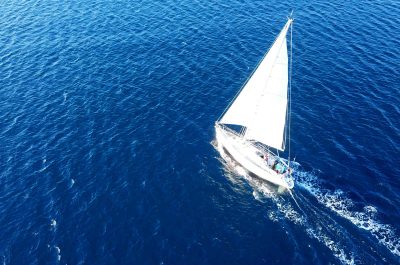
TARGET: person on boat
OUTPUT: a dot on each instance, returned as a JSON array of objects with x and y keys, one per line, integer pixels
[
  {"x": 271, "y": 162},
  {"x": 274, "y": 165},
  {"x": 279, "y": 167}
]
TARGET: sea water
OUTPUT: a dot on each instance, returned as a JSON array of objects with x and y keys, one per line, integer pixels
[{"x": 106, "y": 123}]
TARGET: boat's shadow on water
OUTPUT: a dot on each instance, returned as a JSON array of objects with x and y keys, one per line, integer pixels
[{"x": 326, "y": 215}]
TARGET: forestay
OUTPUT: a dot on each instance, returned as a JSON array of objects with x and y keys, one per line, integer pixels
[{"x": 261, "y": 105}]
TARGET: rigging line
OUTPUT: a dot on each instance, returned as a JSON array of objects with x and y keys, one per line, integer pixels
[{"x": 291, "y": 194}]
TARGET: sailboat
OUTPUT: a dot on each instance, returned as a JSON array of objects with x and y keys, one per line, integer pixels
[{"x": 255, "y": 125}]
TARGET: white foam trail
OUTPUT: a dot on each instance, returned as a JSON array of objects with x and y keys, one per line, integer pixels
[
  {"x": 336, "y": 250},
  {"x": 273, "y": 217},
  {"x": 294, "y": 216},
  {"x": 366, "y": 219},
  {"x": 58, "y": 253},
  {"x": 240, "y": 170},
  {"x": 256, "y": 196},
  {"x": 291, "y": 214}
]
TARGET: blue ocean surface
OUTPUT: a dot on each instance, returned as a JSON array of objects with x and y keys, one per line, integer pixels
[{"x": 107, "y": 121}]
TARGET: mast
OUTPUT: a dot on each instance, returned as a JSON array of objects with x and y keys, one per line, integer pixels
[{"x": 290, "y": 87}]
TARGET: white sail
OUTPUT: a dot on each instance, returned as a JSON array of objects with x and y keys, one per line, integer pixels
[{"x": 262, "y": 103}]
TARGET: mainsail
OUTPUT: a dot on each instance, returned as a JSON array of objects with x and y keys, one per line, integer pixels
[{"x": 262, "y": 104}]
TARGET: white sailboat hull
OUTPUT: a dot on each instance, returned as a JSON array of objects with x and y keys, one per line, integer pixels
[{"x": 247, "y": 156}]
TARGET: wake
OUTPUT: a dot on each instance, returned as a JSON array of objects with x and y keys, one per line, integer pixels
[
  {"x": 365, "y": 219},
  {"x": 313, "y": 225},
  {"x": 320, "y": 224}
]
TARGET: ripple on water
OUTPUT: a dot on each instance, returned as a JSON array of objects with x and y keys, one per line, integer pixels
[{"x": 108, "y": 110}]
